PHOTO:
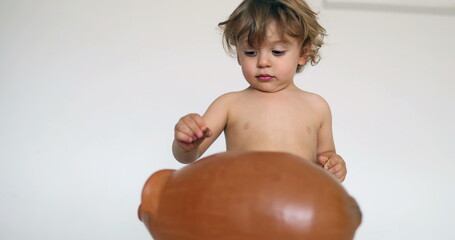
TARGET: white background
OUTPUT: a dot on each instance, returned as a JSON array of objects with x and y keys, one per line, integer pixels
[
  {"x": 90, "y": 92},
  {"x": 410, "y": 3}
]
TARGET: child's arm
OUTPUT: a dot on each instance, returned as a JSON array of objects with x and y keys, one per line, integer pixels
[
  {"x": 327, "y": 155},
  {"x": 193, "y": 134}
]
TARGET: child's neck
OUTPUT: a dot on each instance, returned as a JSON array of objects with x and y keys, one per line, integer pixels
[{"x": 288, "y": 88}]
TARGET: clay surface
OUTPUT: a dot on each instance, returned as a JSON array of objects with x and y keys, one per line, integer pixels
[{"x": 248, "y": 196}]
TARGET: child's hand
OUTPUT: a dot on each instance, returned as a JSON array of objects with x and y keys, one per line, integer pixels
[
  {"x": 335, "y": 164},
  {"x": 190, "y": 131}
]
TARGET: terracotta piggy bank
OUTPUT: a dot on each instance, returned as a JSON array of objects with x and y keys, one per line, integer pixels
[{"x": 248, "y": 196}]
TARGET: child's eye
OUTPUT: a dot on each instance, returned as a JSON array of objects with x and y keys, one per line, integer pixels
[
  {"x": 278, "y": 53},
  {"x": 250, "y": 53}
]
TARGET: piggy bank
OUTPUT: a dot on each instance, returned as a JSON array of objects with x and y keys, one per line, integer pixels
[{"x": 248, "y": 196}]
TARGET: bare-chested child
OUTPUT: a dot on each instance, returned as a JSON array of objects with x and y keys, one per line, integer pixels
[{"x": 273, "y": 40}]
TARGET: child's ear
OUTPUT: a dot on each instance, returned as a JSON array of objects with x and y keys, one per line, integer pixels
[
  {"x": 238, "y": 59},
  {"x": 304, "y": 55},
  {"x": 303, "y": 59}
]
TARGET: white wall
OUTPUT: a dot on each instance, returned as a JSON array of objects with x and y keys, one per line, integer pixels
[
  {"x": 90, "y": 92},
  {"x": 390, "y": 80}
]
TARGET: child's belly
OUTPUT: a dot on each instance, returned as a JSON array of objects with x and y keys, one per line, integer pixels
[{"x": 305, "y": 147}]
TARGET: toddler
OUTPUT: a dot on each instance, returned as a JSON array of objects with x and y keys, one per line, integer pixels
[{"x": 272, "y": 40}]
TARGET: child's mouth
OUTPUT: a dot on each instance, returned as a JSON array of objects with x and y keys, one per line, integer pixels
[{"x": 264, "y": 77}]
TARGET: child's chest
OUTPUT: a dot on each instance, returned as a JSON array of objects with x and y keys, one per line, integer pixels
[{"x": 273, "y": 118}]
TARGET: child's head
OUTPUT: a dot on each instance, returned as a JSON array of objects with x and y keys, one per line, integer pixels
[{"x": 293, "y": 18}]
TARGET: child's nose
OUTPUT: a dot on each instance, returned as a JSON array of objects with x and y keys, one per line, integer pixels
[{"x": 263, "y": 61}]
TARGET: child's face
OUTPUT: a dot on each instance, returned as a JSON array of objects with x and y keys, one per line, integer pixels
[{"x": 272, "y": 67}]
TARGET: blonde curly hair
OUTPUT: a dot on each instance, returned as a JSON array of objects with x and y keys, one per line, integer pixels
[{"x": 293, "y": 18}]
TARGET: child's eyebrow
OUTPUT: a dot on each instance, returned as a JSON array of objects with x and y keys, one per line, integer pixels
[
  {"x": 244, "y": 43},
  {"x": 279, "y": 42}
]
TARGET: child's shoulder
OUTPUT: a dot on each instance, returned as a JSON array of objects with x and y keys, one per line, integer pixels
[
  {"x": 314, "y": 100},
  {"x": 231, "y": 97},
  {"x": 226, "y": 100},
  {"x": 228, "y": 97},
  {"x": 313, "y": 97}
]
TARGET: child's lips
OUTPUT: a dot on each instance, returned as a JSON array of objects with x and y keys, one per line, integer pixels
[{"x": 264, "y": 77}]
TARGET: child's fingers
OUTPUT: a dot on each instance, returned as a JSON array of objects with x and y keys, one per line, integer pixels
[
  {"x": 323, "y": 160},
  {"x": 326, "y": 161},
  {"x": 337, "y": 172},
  {"x": 332, "y": 161},
  {"x": 334, "y": 169},
  {"x": 190, "y": 128},
  {"x": 193, "y": 128},
  {"x": 200, "y": 123},
  {"x": 196, "y": 124},
  {"x": 334, "y": 164},
  {"x": 340, "y": 176},
  {"x": 183, "y": 131},
  {"x": 338, "y": 169},
  {"x": 182, "y": 136},
  {"x": 337, "y": 166}
]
